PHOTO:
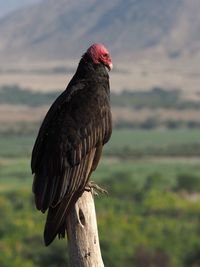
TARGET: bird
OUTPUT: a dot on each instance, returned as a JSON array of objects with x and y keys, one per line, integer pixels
[{"x": 70, "y": 140}]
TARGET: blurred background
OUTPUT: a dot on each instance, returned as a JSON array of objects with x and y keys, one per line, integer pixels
[{"x": 151, "y": 166}]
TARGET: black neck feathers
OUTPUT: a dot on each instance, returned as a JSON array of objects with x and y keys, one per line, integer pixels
[{"x": 90, "y": 71}]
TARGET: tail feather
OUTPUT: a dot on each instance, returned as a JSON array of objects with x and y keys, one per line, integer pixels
[
  {"x": 57, "y": 214},
  {"x": 56, "y": 220}
]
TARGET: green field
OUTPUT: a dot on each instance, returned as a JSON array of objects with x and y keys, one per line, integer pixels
[
  {"x": 156, "y": 142},
  {"x": 156, "y": 137},
  {"x": 178, "y": 142}
]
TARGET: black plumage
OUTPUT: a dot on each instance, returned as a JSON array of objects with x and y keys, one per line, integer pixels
[{"x": 69, "y": 144}]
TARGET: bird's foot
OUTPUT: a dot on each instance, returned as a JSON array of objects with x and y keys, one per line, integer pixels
[{"x": 95, "y": 189}]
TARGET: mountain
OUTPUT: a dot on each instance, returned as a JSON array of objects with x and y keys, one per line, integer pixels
[{"x": 54, "y": 30}]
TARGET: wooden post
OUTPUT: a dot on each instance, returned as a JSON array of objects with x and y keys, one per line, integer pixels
[{"x": 84, "y": 249}]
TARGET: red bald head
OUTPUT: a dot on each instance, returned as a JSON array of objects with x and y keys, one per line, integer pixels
[{"x": 100, "y": 54}]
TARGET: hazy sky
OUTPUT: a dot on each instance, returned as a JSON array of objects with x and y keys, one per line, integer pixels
[{"x": 7, "y": 6}]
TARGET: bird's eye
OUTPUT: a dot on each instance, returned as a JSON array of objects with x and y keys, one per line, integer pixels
[{"x": 105, "y": 55}]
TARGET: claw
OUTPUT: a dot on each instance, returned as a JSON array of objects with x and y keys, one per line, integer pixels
[{"x": 95, "y": 189}]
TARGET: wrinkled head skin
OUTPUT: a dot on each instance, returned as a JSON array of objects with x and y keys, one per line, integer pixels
[{"x": 100, "y": 54}]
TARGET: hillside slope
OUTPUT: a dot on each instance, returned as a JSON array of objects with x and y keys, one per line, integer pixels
[{"x": 61, "y": 29}]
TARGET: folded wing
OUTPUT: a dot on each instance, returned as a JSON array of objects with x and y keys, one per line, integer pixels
[{"x": 67, "y": 150}]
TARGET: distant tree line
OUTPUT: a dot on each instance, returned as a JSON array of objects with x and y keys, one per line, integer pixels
[
  {"x": 155, "y": 122},
  {"x": 155, "y": 98},
  {"x": 15, "y": 95}
]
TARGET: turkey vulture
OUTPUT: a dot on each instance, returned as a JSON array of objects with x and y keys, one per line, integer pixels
[{"x": 70, "y": 140}]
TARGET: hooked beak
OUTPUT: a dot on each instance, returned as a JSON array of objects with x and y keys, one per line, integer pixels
[{"x": 109, "y": 66}]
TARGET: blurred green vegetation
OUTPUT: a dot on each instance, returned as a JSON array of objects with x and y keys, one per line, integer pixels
[{"x": 149, "y": 215}]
